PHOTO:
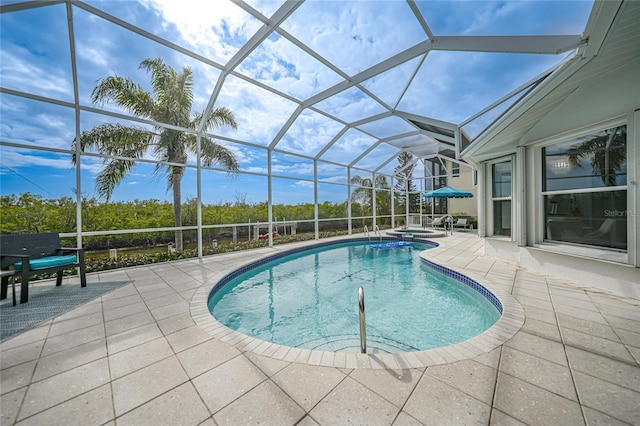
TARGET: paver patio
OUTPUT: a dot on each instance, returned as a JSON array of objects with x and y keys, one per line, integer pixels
[{"x": 136, "y": 356}]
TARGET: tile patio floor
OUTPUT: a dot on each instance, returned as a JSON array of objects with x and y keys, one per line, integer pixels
[{"x": 136, "y": 357}]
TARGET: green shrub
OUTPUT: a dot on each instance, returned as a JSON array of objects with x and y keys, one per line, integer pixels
[{"x": 128, "y": 260}]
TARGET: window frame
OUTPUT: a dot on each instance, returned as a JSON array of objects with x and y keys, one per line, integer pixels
[
  {"x": 490, "y": 220},
  {"x": 455, "y": 169},
  {"x": 541, "y": 194}
]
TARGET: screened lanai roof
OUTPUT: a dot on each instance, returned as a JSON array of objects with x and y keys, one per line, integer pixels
[{"x": 353, "y": 83}]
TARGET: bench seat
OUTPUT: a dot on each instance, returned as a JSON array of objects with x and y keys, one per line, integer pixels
[
  {"x": 47, "y": 262},
  {"x": 37, "y": 254}
]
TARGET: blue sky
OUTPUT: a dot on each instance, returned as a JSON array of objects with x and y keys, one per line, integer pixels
[{"x": 346, "y": 38}]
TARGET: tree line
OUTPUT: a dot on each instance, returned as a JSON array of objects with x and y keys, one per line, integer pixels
[
  {"x": 31, "y": 213},
  {"x": 171, "y": 102}
]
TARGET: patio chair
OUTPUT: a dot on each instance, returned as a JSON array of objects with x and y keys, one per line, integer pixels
[
  {"x": 438, "y": 222},
  {"x": 33, "y": 254},
  {"x": 462, "y": 222}
]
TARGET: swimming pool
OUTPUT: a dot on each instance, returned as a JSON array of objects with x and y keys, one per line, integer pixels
[{"x": 309, "y": 300}]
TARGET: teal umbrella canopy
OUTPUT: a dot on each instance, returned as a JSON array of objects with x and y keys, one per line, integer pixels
[{"x": 447, "y": 192}]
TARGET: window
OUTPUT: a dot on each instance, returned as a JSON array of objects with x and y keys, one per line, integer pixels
[
  {"x": 455, "y": 169},
  {"x": 501, "y": 197},
  {"x": 584, "y": 189}
]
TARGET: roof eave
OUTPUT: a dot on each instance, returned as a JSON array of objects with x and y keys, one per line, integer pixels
[{"x": 600, "y": 22}]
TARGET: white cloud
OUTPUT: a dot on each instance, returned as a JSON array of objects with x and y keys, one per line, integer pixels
[
  {"x": 304, "y": 184},
  {"x": 334, "y": 179},
  {"x": 19, "y": 158},
  {"x": 217, "y": 28},
  {"x": 92, "y": 51},
  {"x": 22, "y": 71},
  {"x": 309, "y": 133},
  {"x": 389, "y": 85},
  {"x": 266, "y": 7},
  {"x": 255, "y": 169},
  {"x": 245, "y": 155},
  {"x": 298, "y": 169},
  {"x": 388, "y": 126},
  {"x": 260, "y": 114},
  {"x": 280, "y": 64},
  {"x": 351, "y": 105},
  {"x": 377, "y": 156},
  {"x": 355, "y": 35},
  {"x": 348, "y": 147},
  {"x": 37, "y": 124},
  {"x": 486, "y": 14}
]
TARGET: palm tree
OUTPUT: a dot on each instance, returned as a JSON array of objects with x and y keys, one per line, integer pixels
[
  {"x": 171, "y": 105},
  {"x": 363, "y": 194}
]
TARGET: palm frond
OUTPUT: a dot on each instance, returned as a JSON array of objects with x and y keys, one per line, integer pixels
[
  {"x": 111, "y": 175},
  {"x": 117, "y": 139},
  {"x": 219, "y": 117},
  {"x": 174, "y": 93},
  {"x": 212, "y": 152},
  {"x": 125, "y": 93},
  {"x": 160, "y": 74},
  {"x": 184, "y": 84}
]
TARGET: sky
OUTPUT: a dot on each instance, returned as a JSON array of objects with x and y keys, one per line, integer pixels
[{"x": 275, "y": 92}]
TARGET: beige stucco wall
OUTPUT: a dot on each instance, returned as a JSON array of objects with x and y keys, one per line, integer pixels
[{"x": 465, "y": 182}]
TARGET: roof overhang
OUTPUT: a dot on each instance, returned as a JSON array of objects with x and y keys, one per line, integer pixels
[{"x": 611, "y": 42}]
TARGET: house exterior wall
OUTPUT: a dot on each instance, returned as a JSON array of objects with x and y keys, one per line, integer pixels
[
  {"x": 607, "y": 100},
  {"x": 464, "y": 181}
]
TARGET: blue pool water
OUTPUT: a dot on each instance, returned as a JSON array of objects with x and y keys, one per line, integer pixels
[{"x": 310, "y": 300}]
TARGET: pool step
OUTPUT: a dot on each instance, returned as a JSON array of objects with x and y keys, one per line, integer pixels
[
  {"x": 351, "y": 343},
  {"x": 417, "y": 235}
]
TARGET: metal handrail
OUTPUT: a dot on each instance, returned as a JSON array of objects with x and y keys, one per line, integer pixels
[
  {"x": 376, "y": 230},
  {"x": 363, "y": 331},
  {"x": 448, "y": 221},
  {"x": 366, "y": 232}
]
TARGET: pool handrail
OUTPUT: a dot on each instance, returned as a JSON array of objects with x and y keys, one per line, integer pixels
[
  {"x": 363, "y": 331},
  {"x": 376, "y": 230}
]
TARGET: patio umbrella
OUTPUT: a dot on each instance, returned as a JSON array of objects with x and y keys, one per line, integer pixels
[{"x": 447, "y": 192}]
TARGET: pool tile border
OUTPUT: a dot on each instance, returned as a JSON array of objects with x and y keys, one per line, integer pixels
[
  {"x": 467, "y": 281},
  {"x": 509, "y": 323}
]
